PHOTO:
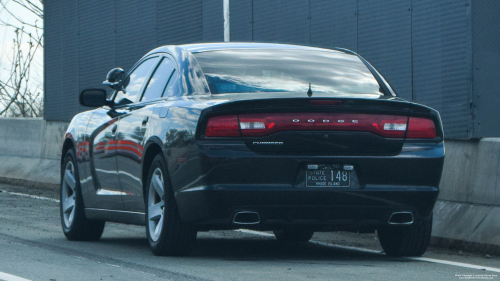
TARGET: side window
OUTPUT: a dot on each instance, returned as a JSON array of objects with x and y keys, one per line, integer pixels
[
  {"x": 159, "y": 80},
  {"x": 173, "y": 88},
  {"x": 133, "y": 83}
]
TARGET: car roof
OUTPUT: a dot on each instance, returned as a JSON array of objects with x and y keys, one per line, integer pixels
[{"x": 207, "y": 47}]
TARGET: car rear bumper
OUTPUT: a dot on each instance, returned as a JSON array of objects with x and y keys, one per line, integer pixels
[
  {"x": 215, "y": 207},
  {"x": 273, "y": 186}
]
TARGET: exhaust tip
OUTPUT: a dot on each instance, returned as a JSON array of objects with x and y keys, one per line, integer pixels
[
  {"x": 401, "y": 218},
  {"x": 246, "y": 217}
]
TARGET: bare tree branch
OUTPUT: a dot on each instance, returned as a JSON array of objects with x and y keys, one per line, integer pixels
[
  {"x": 19, "y": 95},
  {"x": 37, "y": 39},
  {"x": 30, "y": 7},
  {"x": 23, "y": 23}
]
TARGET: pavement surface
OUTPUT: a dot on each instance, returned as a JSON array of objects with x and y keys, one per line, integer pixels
[{"x": 33, "y": 247}]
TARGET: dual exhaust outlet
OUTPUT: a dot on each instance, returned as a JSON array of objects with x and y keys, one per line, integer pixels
[
  {"x": 249, "y": 217},
  {"x": 401, "y": 218},
  {"x": 246, "y": 217}
]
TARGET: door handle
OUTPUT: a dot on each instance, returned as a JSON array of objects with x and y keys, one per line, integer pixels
[
  {"x": 145, "y": 120},
  {"x": 113, "y": 129}
]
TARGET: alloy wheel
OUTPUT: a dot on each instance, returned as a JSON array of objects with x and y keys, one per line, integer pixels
[
  {"x": 68, "y": 194},
  {"x": 156, "y": 204}
]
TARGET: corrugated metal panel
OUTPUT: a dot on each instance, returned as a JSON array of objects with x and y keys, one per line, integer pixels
[
  {"x": 281, "y": 21},
  {"x": 441, "y": 64},
  {"x": 213, "y": 21},
  {"x": 52, "y": 60},
  {"x": 267, "y": 21},
  {"x": 61, "y": 64},
  {"x": 486, "y": 68},
  {"x": 384, "y": 39},
  {"x": 241, "y": 20},
  {"x": 135, "y": 31},
  {"x": 97, "y": 42},
  {"x": 179, "y": 22},
  {"x": 334, "y": 24},
  {"x": 84, "y": 39},
  {"x": 70, "y": 63}
]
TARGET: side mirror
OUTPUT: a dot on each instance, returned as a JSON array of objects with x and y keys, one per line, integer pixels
[
  {"x": 93, "y": 98},
  {"x": 114, "y": 78}
]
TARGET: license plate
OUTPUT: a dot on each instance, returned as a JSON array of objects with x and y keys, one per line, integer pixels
[{"x": 327, "y": 176}]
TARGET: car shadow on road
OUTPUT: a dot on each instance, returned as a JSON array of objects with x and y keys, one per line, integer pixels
[
  {"x": 129, "y": 242},
  {"x": 245, "y": 249},
  {"x": 257, "y": 249}
]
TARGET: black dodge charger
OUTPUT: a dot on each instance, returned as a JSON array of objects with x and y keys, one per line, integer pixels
[{"x": 283, "y": 138}]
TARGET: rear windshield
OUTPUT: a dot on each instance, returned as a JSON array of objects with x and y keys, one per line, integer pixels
[{"x": 286, "y": 70}]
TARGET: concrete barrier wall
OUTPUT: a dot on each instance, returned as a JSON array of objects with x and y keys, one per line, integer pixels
[
  {"x": 30, "y": 151},
  {"x": 472, "y": 172},
  {"x": 31, "y": 137},
  {"x": 468, "y": 209}
]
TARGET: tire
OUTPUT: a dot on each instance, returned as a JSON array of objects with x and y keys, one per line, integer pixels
[
  {"x": 409, "y": 240},
  {"x": 167, "y": 234},
  {"x": 293, "y": 235},
  {"x": 75, "y": 225}
]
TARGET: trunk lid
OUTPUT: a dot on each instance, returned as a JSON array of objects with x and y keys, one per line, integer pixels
[{"x": 314, "y": 126}]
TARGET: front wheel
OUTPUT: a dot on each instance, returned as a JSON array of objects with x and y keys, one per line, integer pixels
[
  {"x": 407, "y": 240},
  {"x": 72, "y": 211},
  {"x": 293, "y": 235},
  {"x": 167, "y": 234}
]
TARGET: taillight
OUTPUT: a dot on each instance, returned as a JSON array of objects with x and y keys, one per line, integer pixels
[
  {"x": 264, "y": 124},
  {"x": 388, "y": 126},
  {"x": 421, "y": 128},
  {"x": 223, "y": 126}
]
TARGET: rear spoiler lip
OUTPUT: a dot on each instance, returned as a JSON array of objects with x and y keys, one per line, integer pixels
[
  {"x": 295, "y": 103},
  {"x": 291, "y": 105},
  {"x": 391, "y": 106}
]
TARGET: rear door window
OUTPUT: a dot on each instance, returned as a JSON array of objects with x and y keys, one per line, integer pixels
[
  {"x": 173, "y": 87},
  {"x": 134, "y": 82},
  {"x": 159, "y": 81}
]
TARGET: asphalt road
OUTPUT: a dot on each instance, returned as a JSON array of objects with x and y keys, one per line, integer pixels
[{"x": 33, "y": 247}]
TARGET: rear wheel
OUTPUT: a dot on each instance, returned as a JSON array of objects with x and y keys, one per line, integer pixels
[
  {"x": 74, "y": 223},
  {"x": 293, "y": 235},
  {"x": 407, "y": 240},
  {"x": 167, "y": 234}
]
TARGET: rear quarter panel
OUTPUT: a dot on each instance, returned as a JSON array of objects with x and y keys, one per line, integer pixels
[{"x": 177, "y": 132}]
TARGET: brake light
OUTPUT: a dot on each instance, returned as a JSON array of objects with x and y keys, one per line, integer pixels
[
  {"x": 421, "y": 128},
  {"x": 223, "y": 126},
  {"x": 264, "y": 124},
  {"x": 388, "y": 126}
]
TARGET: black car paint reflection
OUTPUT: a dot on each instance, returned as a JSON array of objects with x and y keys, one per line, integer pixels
[{"x": 214, "y": 178}]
